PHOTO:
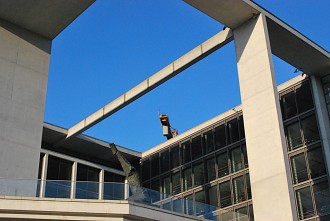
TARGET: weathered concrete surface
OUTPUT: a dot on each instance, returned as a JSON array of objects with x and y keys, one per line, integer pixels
[
  {"x": 24, "y": 62},
  {"x": 271, "y": 183}
]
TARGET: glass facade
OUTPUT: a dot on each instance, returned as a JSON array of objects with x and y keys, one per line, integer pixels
[
  {"x": 209, "y": 166},
  {"x": 326, "y": 90},
  {"x": 308, "y": 168}
]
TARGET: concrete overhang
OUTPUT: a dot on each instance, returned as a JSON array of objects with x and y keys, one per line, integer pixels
[
  {"x": 43, "y": 17},
  {"x": 84, "y": 147},
  {"x": 286, "y": 43}
]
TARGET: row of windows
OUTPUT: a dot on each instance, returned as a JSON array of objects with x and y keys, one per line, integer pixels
[
  {"x": 307, "y": 159},
  {"x": 326, "y": 90},
  {"x": 198, "y": 173},
  {"x": 193, "y": 149},
  {"x": 59, "y": 176}
]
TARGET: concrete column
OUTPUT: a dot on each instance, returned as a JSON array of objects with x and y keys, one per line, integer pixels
[
  {"x": 101, "y": 182},
  {"x": 24, "y": 62},
  {"x": 323, "y": 117},
  {"x": 271, "y": 183},
  {"x": 73, "y": 180}
]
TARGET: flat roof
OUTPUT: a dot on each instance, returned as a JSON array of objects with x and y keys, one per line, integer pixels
[
  {"x": 286, "y": 42},
  {"x": 44, "y": 17}
]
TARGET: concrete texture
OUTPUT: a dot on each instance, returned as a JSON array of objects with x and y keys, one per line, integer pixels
[
  {"x": 24, "y": 61},
  {"x": 193, "y": 56},
  {"x": 267, "y": 153},
  {"x": 66, "y": 209},
  {"x": 43, "y": 17}
]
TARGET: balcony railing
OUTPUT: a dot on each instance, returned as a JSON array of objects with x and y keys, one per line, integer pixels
[{"x": 113, "y": 191}]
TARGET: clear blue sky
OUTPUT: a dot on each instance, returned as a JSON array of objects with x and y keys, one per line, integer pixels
[{"x": 116, "y": 44}]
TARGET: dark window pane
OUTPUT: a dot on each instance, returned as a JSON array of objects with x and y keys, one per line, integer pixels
[
  {"x": 58, "y": 189},
  {"x": 87, "y": 186},
  {"x": 304, "y": 98},
  {"x": 294, "y": 136},
  {"x": 41, "y": 160},
  {"x": 299, "y": 168},
  {"x": 304, "y": 203},
  {"x": 145, "y": 170},
  {"x": 177, "y": 205},
  {"x": 155, "y": 185},
  {"x": 241, "y": 214},
  {"x": 187, "y": 179},
  {"x": 154, "y": 165},
  {"x": 241, "y": 127},
  {"x": 212, "y": 196},
  {"x": 227, "y": 216},
  {"x": 58, "y": 169},
  {"x": 225, "y": 194},
  {"x": 310, "y": 130},
  {"x": 196, "y": 147},
  {"x": 220, "y": 136},
  {"x": 210, "y": 168},
  {"x": 316, "y": 162},
  {"x": 246, "y": 163},
  {"x": 166, "y": 186},
  {"x": 233, "y": 131},
  {"x": 239, "y": 191},
  {"x": 208, "y": 141},
  {"x": 175, "y": 157},
  {"x": 176, "y": 184},
  {"x": 112, "y": 188},
  {"x": 200, "y": 207},
  {"x": 223, "y": 168},
  {"x": 65, "y": 170},
  {"x": 186, "y": 157},
  {"x": 288, "y": 104},
  {"x": 198, "y": 174},
  {"x": 236, "y": 159},
  {"x": 251, "y": 213},
  {"x": 248, "y": 186},
  {"x": 322, "y": 198},
  {"x": 165, "y": 161}
]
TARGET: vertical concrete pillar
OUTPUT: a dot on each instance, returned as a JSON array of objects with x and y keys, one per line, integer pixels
[
  {"x": 322, "y": 116},
  {"x": 24, "y": 62},
  {"x": 73, "y": 180},
  {"x": 43, "y": 176},
  {"x": 271, "y": 184}
]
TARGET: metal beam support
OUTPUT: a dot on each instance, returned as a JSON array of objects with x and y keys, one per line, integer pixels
[{"x": 187, "y": 60}]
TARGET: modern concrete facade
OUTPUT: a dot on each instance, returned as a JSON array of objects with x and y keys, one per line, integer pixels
[{"x": 267, "y": 159}]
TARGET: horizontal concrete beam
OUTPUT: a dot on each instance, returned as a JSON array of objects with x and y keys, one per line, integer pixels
[{"x": 193, "y": 56}]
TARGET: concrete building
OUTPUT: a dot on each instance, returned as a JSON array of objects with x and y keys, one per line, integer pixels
[{"x": 267, "y": 159}]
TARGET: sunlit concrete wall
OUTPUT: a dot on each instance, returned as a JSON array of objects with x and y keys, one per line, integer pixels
[{"x": 24, "y": 63}]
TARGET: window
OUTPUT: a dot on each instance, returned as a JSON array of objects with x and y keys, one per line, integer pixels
[
  {"x": 210, "y": 169},
  {"x": 241, "y": 127},
  {"x": 176, "y": 184},
  {"x": 58, "y": 184},
  {"x": 241, "y": 214},
  {"x": 212, "y": 196},
  {"x": 208, "y": 141},
  {"x": 294, "y": 136},
  {"x": 248, "y": 186},
  {"x": 175, "y": 157},
  {"x": 87, "y": 186},
  {"x": 316, "y": 162},
  {"x": 223, "y": 168},
  {"x": 310, "y": 130},
  {"x": 165, "y": 161},
  {"x": 236, "y": 159},
  {"x": 113, "y": 188},
  {"x": 220, "y": 136},
  {"x": 304, "y": 203},
  {"x": 288, "y": 104},
  {"x": 322, "y": 199},
  {"x": 238, "y": 189},
  {"x": 225, "y": 194},
  {"x": 166, "y": 186},
  {"x": 196, "y": 147},
  {"x": 187, "y": 179},
  {"x": 145, "y": 170},
  {"x": 299, "y": 168},
  {"x": 200, "y": 202},
  {"x": 233, "y": 131},
  {"x": 246, "y": 162},
  {"x": 186, "y": 157},
  {"x": 189, "y": 205},
  {"x": 198, "y": 174},
  {"x": 304, "y": 98},
  {"x": 154, "y": 165}
]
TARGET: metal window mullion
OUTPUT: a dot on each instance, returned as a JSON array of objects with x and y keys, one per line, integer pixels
[
  {"x": 101, "y": 181},
  {"x": 43, "y": 176},
  {"x": 73, "y": 180}
]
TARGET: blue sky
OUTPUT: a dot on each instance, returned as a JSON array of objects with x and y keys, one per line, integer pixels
[{"x": 116, "y": 44}]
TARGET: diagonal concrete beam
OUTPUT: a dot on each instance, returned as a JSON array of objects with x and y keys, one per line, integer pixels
[{"x": 187, "y": 60}]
